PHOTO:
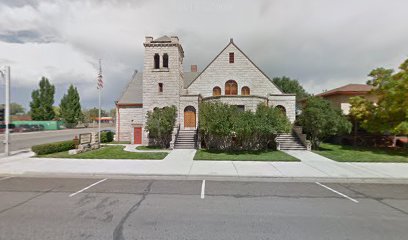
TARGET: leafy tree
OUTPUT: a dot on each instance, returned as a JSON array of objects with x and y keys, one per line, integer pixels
[
  {"x": 70, "y": 107},
  {"x": 160, "y": 123},
  {"x": 57, "y": 111},
  {"x": 15, "y": 108},
  {"x": 292, "y": 86},
  {"x": 112, "y": 113},
  {"x": 90, "y": 115},
  {"x": 320, "y": 121},
  {"x": 42, "y": 101},
  {"x": 390, "y": 113}
]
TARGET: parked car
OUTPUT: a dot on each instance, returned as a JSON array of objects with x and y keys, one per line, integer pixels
[
  {"x": 35, "y": 127},
  {"x": 12, "y": 128},
  {"x": 24, "y": 128}
]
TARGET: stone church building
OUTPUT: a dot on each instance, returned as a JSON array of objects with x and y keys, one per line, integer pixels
[{"x": 231, "y": 77}]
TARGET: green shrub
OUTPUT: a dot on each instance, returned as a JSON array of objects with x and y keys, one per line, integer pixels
[
  {"x": 48, "y": 148},
  {"x": 160, "y": 123},
  {"x": 106, "y": 137},
  {"x": 223, "y": 126}
]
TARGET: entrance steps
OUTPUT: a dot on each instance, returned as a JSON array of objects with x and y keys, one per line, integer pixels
[
  {"x": 186, "y": 139},
  {"x": 289, "y": 142}
]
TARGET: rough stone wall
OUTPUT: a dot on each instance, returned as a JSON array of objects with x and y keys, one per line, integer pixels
[
  {"x": 171, "y": 78},
  {"x": 242, "y": 71},
  {"x": 250, "y": 103},
  {"x": 128, "y": 116},
  {"x": 186, "y": 101},
  {"x": 288, "y": 102}
]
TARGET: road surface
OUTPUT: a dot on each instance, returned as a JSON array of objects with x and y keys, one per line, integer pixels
[
  {"x": 119, "y": 209},
  {"x": 26, "y": 140}
]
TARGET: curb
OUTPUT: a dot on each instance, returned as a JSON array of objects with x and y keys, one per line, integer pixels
[{"x": 210, "y": 177}]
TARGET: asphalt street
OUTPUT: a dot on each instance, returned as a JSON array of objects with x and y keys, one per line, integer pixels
[
  {"x": 99, "y": 208},
  {"x": 20, "y": 141}
]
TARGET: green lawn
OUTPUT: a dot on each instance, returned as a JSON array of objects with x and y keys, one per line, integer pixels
[
  {"x": 343, "y": 153},
  {"x": 149, "y": 148},
  {"x": 108, "y": 152},
  {"x": 243, "y": 156}
]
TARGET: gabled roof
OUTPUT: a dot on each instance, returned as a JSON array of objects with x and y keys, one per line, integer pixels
[
  {"x": 133, "y": 93},
  {"x": 349, "y": 89},
  {"x": 189, "y": 78},
  {"x": 232, "y": 42},
  {"x": 164, "y": 38}
]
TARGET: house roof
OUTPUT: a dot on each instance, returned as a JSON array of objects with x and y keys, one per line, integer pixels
[
  {"x": 133, "y": 93},
  {"x": 349, "y": 89},
  {"x": 189, "y": 77},
  {"x": 232, "y": 42},
  {"x": 164, "y": 38}
]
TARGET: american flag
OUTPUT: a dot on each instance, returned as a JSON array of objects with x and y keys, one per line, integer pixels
[{"x": 99, "y": 78}]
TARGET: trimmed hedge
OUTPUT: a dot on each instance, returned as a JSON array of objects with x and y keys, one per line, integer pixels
[
  {"x": 106, "y": 137},
  {"x": 48, "y": 148}
]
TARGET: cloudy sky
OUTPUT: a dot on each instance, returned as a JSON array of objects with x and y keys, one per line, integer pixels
[{"x": 324, "y": 44}]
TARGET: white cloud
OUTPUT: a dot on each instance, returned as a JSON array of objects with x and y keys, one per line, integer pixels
[{"x": 322, "y": 43}]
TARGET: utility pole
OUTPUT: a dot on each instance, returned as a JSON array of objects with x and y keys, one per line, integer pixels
[{"x": 6, "y": 76}]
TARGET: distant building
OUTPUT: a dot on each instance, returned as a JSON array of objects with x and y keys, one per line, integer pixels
[
  {"x": 231, "y": 77},
  {"x": 104, "y": 119},
  {"x": 340, "y": 97}
]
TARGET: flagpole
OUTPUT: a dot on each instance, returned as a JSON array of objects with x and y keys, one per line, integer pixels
[
  {"x": 99, "y": 115},
  {"x": 99, "y": 102}
]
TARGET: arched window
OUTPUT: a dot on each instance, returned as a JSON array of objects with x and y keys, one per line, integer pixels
[
  {"x": 245, "y": 91},
  {"x": 156, "y": 61},
  {"x": 165, "y": 60},
  {"x": 216, "y": 91},
  {"x": 231, "y": 87}
]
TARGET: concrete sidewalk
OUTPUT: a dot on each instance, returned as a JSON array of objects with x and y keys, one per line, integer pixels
[{"x": 180, "y": 163}]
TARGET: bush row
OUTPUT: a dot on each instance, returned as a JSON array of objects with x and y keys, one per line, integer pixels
[
  {"x": 224, "y": 126},
  {"x": 48, "y": 148}
]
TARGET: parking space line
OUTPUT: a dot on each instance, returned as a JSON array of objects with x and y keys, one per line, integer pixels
[
  {"x": 83, "y": 189},
  {"x": 4, "y": 178},
  {"x": 339, "y": 193},
  {"x": 203, "y": 190}
]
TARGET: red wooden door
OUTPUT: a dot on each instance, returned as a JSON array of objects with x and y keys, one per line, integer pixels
[{"x": 138, "y": 135}]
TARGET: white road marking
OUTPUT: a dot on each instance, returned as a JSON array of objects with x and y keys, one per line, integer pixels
[
  {"x": 4, "y": 178},
  {"x": 339, "y": 193},
  {"x": 203, "y": 190},
  {"x": 83, "y": 189}
]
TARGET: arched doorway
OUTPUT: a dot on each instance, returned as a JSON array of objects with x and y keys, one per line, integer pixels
[
  {"x": 189, "y": 117},
  {"x": 282, "y": 109}
]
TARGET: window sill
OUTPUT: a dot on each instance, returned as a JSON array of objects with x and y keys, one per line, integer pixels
[{"x": 161, "y": 70}]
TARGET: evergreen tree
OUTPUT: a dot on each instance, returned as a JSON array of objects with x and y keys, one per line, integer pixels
[
  {"x": 42, "y": 101},
  {"x": 70, "y": 107}
]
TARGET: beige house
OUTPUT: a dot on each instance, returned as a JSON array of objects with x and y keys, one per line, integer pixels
[
  {"x": 340, "y": 97},
  {"x": 231, "y": 77}
]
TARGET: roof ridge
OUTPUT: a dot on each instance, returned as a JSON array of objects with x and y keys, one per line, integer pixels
[{"x": 229, "y": 43}]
